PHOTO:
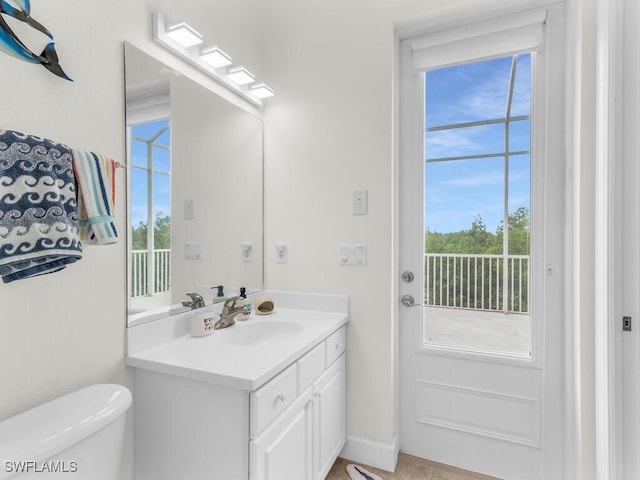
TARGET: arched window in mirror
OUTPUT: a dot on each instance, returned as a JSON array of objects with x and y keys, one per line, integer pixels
[{"x": 150, "y": 213}]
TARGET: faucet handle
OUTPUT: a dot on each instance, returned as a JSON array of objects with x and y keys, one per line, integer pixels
[
  {"x": 231, "y": 302},
  {"x": 196, "y": 301}
]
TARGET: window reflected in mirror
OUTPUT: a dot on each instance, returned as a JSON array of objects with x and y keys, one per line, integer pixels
[{"x": 150, "y": 214}]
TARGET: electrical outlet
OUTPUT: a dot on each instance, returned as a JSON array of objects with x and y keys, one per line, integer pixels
[
  {"x": 247, "y": 252},
  {"x": 192, "y": 251},
  {"x": 281, "y": 252}
]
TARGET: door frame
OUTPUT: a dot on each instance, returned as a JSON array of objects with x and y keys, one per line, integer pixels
[
  {"x": 607, "y": 268},
  {"x": 617, "y": 251},
  {"x": 569, "y": 395}
]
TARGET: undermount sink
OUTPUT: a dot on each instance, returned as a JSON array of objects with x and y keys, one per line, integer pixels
[{"x": 258, "y": 332}]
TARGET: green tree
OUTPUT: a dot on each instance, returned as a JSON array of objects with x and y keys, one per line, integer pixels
[
  {"x": 161, "y": 233},
  {"x": 139, "y": 236},
  {"x": 472, "y": 240},
  {"x": 477, "y": 239},
  {"x": 445, "y": 273},
  {"x": 519, "y": 233}
]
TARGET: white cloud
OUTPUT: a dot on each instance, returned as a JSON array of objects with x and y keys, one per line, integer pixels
[{"x": 482, "y": 179}]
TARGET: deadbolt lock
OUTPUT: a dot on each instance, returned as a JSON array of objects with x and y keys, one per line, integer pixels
[{"x": 407, "y": 276}]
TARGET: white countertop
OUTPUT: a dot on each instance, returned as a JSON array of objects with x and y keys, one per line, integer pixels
[{"x": 216, "y": 359}]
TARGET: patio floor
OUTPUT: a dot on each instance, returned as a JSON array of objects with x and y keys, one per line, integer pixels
[{"x": 478, "y": 330}]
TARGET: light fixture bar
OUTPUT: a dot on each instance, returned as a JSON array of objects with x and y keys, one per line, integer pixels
[{"x": 183, "y": 40}]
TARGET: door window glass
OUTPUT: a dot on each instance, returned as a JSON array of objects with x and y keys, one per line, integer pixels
[{"x": 478, "y": 206}]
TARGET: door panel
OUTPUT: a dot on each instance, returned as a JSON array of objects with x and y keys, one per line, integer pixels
[{"x": 498, "y": 413}]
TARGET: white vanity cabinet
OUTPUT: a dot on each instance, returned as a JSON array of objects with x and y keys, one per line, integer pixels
[
  {"x": 291, "y": 427},
  {"x": 304, "y": 442}
]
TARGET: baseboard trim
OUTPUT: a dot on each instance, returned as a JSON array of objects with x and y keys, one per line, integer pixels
[{"x": 374, "y": 454}]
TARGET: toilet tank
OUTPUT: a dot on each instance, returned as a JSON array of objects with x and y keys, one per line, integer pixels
[{"x": 76, "y": 436}]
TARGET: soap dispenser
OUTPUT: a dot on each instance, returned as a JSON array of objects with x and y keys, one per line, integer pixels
[
  {"x": 219, "y": 298},
  {"x": 246, "y": 303}
]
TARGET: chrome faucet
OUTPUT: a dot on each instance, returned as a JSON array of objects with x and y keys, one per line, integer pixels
[
  {"x": 196, "y": 301},
  {"x": 232, "y": 307}
]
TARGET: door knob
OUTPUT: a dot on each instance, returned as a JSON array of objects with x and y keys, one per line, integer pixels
[{"x": 408, "y": 301}]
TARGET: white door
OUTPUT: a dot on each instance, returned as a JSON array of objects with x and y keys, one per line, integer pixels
[
  {"x": 284, "y": 451},
  {"x": 482, "y": 374},
  {"x": 329, "y": 418}
]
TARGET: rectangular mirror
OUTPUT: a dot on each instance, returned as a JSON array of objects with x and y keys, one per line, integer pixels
[{"x": 195, "y": 174}]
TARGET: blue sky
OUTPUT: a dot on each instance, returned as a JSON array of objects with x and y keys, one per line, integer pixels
[{"x": 458, "y": 191}]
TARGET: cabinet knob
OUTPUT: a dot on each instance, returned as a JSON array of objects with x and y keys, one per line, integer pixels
[
  {"x": 338, "y": 346},
  {"x": 282, "y": 397}
]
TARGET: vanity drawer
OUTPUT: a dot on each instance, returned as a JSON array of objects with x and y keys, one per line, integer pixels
[
  {"x": 335, "y": 345},
  {"x": 272, "y": 399},
  {"x": 310, "y": 367}
]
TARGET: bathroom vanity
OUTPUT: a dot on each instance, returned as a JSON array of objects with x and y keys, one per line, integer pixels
[{"x": 263, "y": 399}]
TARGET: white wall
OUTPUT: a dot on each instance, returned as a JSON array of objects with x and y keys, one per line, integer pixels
[
  {"x": 218, "y": 164},
  {"x": 66, "y": 330},
  {"x": 328, "y": 133}
]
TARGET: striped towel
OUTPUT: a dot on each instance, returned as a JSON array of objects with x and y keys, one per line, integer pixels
[
  {"x": 38, "y": 212},
  {"x": 95, "y": 175}
]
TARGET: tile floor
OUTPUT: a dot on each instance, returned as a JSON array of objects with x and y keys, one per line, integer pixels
[{"x": 411, "y": 468}]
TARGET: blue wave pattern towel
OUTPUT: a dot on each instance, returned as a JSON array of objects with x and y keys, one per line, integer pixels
[
  {"x": 38, "y": 211},
  {"x": 96, "y": 196}
]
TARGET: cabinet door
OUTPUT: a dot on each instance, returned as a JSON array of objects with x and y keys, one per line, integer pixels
[
  {"x": 329, "y": 417},
  {"x": 284, "y": 450}
]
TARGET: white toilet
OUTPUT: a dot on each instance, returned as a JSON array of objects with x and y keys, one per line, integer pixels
[{"x": 78, "y": 436}]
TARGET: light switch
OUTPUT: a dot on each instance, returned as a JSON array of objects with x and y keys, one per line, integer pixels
[
  {"x": 189, "y": 210},
  {"x": 359, "y": 255},
  {"x": 360, "y": 202},
  {"x": 344, "y": 254},
  {"x": 353, "y": 254}
]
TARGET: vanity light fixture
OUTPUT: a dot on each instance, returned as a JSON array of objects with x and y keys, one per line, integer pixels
[
  {"x": 184, "y": 34},
  {"x": 215, "y": 57},
  {"x": 261, "y": 90},
  {"x": 240, "y": 75},
  {"x": 183, "y": 40}
]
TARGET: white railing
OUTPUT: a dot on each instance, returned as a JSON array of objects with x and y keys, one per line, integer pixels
[
  {"x": 479, "y": 282},
  {"x": 159, "y": 271}
]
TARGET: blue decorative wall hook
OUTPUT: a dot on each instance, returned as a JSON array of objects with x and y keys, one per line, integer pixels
[{"x": 12, "y": 45}]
